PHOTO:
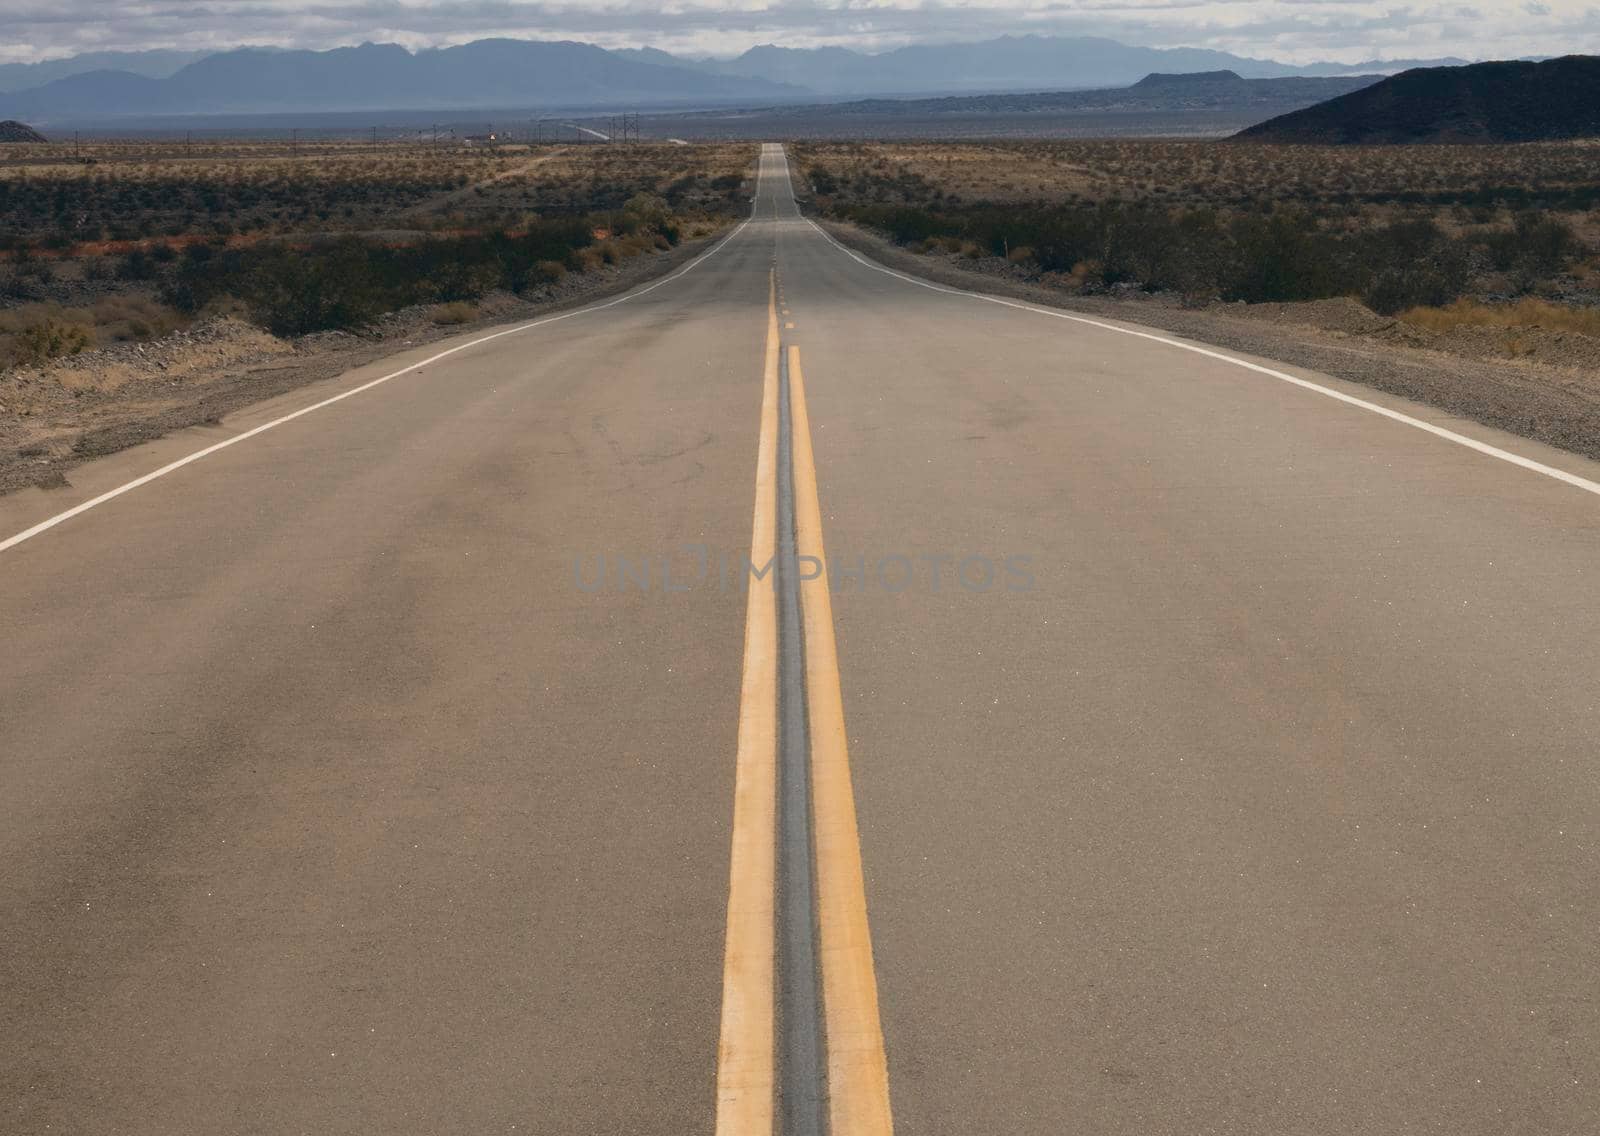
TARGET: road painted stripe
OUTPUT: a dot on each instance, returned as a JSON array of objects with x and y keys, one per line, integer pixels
[
  {"x": 1504, "y": 455},
  {"x": 858, "y": 1071},
  {"x": 801, "y": 1062},
  {"x": 190, "y": 459},
  {"x": 745, "y": 1051}
]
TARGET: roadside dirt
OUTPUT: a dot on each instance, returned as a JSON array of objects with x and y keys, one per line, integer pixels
[
  {"x": 101, "y": 401},
  {"x": 1543, "y": 384}
]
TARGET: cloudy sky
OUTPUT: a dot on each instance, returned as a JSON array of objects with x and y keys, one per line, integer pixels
[{"x": 1290, "y": 30}]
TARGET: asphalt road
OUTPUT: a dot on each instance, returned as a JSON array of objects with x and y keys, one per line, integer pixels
[{"x": 1243, "y": 781}]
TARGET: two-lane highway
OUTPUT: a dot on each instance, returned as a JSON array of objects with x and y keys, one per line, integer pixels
[{"x": 1187, "y": 744}]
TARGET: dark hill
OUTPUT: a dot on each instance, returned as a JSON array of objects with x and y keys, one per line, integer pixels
[
  {"x": 1161, "y": 80},
  {"x": 14, "y": 131},
  {"x": 1482, "y": 102}
]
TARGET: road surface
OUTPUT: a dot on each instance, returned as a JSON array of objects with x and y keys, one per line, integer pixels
[{"x": 1209, "y": 748}]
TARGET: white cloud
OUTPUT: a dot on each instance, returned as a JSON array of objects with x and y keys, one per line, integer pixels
[{"x": 1291, "y": 30}]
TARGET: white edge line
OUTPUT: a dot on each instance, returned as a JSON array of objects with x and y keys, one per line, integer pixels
[
  {"x": 84, "y": 507},
  {"x": 1439, "y": 431}
]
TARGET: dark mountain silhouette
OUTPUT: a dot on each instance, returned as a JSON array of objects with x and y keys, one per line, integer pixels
[
  {"x": 1481, "y": 102},
  {"x": 12, "y": 131},
  {"x": 382, "y": 76},
  {"x": 1189, "y": 80},
  {"x": 1227, "y": 88}
]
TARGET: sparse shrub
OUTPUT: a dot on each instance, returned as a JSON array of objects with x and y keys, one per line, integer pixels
[
  {"x": 15, "y": 285},
  {"x": 349, "y": 282},
  {"x": 449, "y": 270},
  {"x": 52, "y": 339},
  {"x": 1527, "y": 313},
  {"x": 1536, "y": 247},
  {"x": 28, "y": 266},
  {"x": 35, "y": 334},
  {"x": 1412, "y": 264},
  {"x": 645, "y": 210},
  {"x": 130, "y": 318},
  {"x": 1085, "y": 273},
  {"x": 137, "y": 265},
  {"x": 822, "y": 181},
  {"x": 1235, "y": 220},
  {"x": 455, "y": 313},
  {"x": 1282, "y": 257},
  {"x": 1547, "y": 243}
]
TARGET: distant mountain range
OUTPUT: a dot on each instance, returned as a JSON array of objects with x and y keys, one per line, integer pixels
[
  {"x": 522, "y": 73},
  {"x": 485, "y": 73},
  {"x": 1008, "y": 63},
  {"x": 1483, "y": 102},
  {"x": 151, "y": 64},
  {"x": 1208, "y": 104}
]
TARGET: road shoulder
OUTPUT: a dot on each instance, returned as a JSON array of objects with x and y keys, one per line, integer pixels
[
  {"x": 1553, "y": 405},
  {"x": 80, "y": 410}
]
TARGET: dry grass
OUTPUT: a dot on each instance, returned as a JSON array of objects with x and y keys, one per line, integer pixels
[
  {"x": 1420, "y": 224},
  {"x": 126, "y": 318},
  {"x": 143, "y": 220},
  {"x": 34, "y": 333},
  {"x": 140, "y": 191},
  {"x": 459, "y": 312},
  {"x": 1207, "y": 173},
  {"x": 1527, "y": 313}
]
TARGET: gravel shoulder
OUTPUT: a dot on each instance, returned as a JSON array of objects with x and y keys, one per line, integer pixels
[
  {"x": 102, "y": 401},
  {"x": 1540, "y": 383}
]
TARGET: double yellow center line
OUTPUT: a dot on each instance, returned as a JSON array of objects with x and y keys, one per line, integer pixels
[{"x": 748, "y": 1080}]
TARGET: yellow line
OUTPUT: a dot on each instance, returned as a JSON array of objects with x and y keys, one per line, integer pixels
[
  {"x": 858, "y": 1073},
  {"x": 745, "y": 1052}
]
